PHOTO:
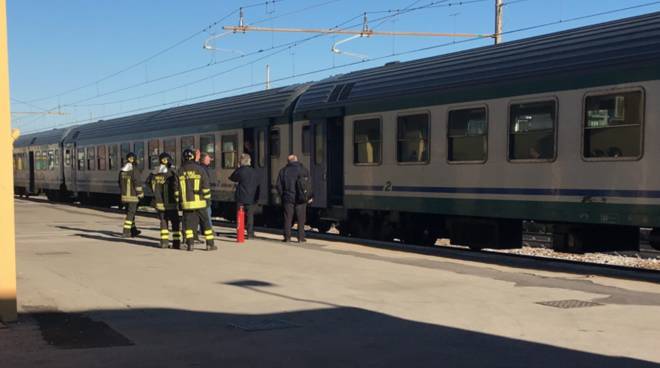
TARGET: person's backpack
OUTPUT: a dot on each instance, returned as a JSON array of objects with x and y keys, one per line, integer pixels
[{"x": 303, "y": 189}]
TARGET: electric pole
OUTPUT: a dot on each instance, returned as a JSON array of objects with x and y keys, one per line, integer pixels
[
  {"x": 267, "y": 77},
  {"x": 498, "y": 21}
]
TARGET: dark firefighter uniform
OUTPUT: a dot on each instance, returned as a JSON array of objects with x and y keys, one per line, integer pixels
[
  {"x": 131, "y": 193},
  {"x": 164, "y": 184},
  {"x": 195, "y": 191}
]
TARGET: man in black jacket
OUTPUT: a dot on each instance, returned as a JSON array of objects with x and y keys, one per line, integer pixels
[
  {"x": 247, "y": 191},
  {"x": 287, "y": 183}
]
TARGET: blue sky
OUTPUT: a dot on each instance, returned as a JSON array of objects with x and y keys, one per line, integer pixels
[{"x": 59, "y": 45}]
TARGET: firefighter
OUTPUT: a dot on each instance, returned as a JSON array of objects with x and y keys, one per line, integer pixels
[
  {"x": 195, "y": 196},
  {"x": 131, "y": 193},
  {"x": 164, "y": 184}
]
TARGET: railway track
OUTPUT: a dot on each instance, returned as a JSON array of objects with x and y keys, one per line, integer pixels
[
  {"x": 540, "y": 240},
  {"x": 496, "y": 257}
]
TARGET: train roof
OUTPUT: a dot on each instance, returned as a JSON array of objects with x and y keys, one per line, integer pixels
[
  {"x": 42, "y": 138},
  {"x": 252, "y": 109},
  {"x": 620, "y": 51}
]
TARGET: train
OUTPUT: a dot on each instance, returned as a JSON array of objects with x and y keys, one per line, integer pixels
[{"x": 555, "y": 130}]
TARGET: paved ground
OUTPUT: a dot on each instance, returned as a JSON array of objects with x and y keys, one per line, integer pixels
[{"x": 91, "y": 299}]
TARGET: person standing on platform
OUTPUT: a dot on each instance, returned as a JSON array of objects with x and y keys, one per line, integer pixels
[
  {"x": 164, "y": 184},
  {"x": 131, "y": 193},
  {"x": 293, "y": 186},
  {"x": 205, "y": 161},
  {"x": 247, "y": 191},
  {"x": 194, "y": 193}
]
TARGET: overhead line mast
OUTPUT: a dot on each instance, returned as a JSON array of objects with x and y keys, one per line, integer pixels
[{"x": 498, "y": 21}]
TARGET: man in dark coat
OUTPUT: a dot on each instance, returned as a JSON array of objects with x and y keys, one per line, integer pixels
[
  {"x": 247, "y": 191},
  {"x": 287, "y": 187}
]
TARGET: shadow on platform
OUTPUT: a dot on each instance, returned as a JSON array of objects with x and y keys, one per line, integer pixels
[
  {"x": 112, "y": 236},
  {"x": 329, "y": 337}
]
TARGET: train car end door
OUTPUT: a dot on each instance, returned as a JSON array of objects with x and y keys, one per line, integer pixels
[
  {"x": 255, "y": 143},
  {"x": 326, "y": 164},
  {"x": 32, "y": 188}
]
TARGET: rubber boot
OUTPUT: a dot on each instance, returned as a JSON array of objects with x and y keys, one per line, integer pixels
[
  {"x": 176, "y": 244},
  {"x": 191, "y": 244},
  {"x": 135, "y": 232},
  {"x": 210, "y": 245},
  {"x": 164, "y": 243},
  {"x": 126, "y": 233}
]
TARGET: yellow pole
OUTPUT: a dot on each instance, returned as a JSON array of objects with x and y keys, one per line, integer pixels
[{"x": 7, "y": 136}]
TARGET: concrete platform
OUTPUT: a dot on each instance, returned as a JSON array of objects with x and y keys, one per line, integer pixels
[{"x": 91, "y": 299}]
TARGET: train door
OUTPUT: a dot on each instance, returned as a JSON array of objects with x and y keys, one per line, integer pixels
[
  {"x": 70, "y": 162},
  {"x": 327, "y": 160},
  {"x": 255, "y": 144},
  {"x": 32, "y": 188}
]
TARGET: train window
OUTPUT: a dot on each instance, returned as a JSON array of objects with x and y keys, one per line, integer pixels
[
  {"x": 101, "y": 157},
  {"x": 413, "y": 138},
  {"x": 138, "y": 149},
  {"x": 44, "y": 160},
  {"x": 532, "y": 131},
  {"x": 81, "y": 159},
  {"x": 112, "y": 157},
  {"x": 306, "y": 140},
  {"x": 154, "y": 152},
  {"x": 613, "y": 125},
  {"x": 187, "y": 143},
  {"x": 467, "y": 135},
  {"x": 229, "y": 151},
  {"x": 169, "y": 146},
  {"x": 319, "y": 145},
  {"x": 367, "y": 141},
  {"x": 274, "y": 143},
  {"x": 124, "y": 148},
  {"x": 207, "y": 145},
  {"x": 261, "y": 148},
  {"x": 91, "y": 158},
  {"x": 51, "y": 160}
]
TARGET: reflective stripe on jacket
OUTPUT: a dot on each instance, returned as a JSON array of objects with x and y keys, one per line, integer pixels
[
  {"x": 130, "y": 188},
  {"x": 165, "y": 187},
  {"x": 194, "y": 186}
]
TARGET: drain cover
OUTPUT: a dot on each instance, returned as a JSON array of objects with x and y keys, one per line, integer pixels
[
  {"x": 262, "y": 324},
  {"x": 570, "y": 303},
  {"x": 52, "y": 253}
]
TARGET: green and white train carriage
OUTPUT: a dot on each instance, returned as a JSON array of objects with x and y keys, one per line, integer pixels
[
  {"x": 560, "y": 128},
  {"x": 38, "y": 167}
]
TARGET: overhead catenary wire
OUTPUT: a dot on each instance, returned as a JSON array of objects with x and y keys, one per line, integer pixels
[
  {"x": 152, "y": 56},
  {"x": 252, "y": 85},
  {"x": 285, "y": 46},
  {"x": 210, "y": 26},
  {"x": 392, "y": 13}
]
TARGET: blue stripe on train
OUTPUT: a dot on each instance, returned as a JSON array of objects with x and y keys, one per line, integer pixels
[{"x": 514, "y": 191}]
